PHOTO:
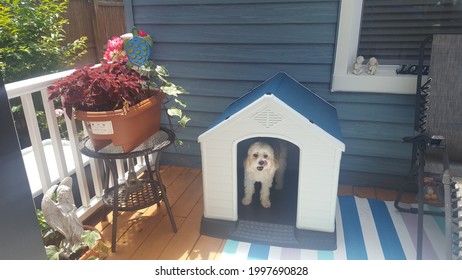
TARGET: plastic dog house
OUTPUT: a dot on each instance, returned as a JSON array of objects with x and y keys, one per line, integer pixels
[{"x": 279, "y": 108}]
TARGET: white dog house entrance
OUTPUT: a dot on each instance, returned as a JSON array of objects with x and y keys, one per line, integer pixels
[
  {"x": 302, "y": 214},
  {"x": 283, "y": 208}
]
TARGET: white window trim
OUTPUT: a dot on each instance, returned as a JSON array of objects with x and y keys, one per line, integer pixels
[{"x": 384, "y": 81}]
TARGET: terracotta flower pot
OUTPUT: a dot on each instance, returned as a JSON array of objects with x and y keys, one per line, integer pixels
[{"x": 125, "y": 130}]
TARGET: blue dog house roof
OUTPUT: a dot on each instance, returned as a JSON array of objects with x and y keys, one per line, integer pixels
[{"x": 298, "y": 97}]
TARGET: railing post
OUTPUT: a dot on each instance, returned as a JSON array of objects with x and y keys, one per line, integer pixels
[
  {"x": 79, "y": 167},
  {"x": 36, "y": 141},
  {"x": 55, "y": 135}
]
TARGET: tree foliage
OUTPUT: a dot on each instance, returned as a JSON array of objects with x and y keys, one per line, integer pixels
[{"x": 33, "y": 39}]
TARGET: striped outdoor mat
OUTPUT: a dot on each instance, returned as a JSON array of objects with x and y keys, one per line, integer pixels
[{"x": 366, "y": 229}]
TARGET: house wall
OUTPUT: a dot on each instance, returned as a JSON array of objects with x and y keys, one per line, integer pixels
[{"x": 220, "y": 50}]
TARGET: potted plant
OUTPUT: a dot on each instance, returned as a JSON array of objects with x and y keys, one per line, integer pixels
[{"x": 125, "y": 86}]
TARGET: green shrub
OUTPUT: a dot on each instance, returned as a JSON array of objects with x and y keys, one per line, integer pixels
[{"x": 32, "y": 39}]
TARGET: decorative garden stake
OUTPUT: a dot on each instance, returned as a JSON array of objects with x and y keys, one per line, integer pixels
[{"x": 138, "y": 48}]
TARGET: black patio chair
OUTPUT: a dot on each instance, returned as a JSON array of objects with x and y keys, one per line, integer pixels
[{"x": 437, "y": 138}]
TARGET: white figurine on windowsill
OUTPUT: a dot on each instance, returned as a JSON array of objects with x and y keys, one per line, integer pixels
[
  {"x": 372, "y": 66},
  {"x": 358, "y": 65}
]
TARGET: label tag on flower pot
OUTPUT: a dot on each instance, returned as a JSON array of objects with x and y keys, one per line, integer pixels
[{"x": 102, "y": 128}]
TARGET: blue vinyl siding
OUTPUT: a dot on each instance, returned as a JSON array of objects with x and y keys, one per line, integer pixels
[{"x": 220, "y": 50}]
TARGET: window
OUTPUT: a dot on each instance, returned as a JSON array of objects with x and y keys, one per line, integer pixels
[{"x": 391, "y": 30}]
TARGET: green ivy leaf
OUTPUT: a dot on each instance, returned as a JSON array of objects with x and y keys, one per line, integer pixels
[
  {"x": 181, "y": 103},
  {"x": 173, "y": 90},
  {"x": 170, "y": 90},
  {"x": 52, "y": 252},
  {"x": 90, "y": 238},
  {"x": 161, "y": 70},
  {"x": 184, "y": 120},
  {"x": 175, "y": 112}
]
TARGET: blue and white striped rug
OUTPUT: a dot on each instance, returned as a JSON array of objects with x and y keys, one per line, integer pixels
[{"x": 366, "y": 229}]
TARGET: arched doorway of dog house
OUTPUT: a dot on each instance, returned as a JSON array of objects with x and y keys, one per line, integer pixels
[{"x": 283, "y": 208}]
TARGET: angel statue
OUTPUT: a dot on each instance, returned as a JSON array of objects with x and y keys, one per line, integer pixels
[{"x": 59, "y": 212}]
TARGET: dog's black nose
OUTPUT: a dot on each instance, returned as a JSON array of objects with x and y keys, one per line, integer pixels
[{"x": 261, "y": 162}]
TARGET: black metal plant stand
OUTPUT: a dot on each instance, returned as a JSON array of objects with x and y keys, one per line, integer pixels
[{"x": 135, "y": 193}]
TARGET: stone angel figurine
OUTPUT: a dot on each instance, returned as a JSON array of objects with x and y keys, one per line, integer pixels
[
  {"x": 372, "y": 65},
  {"x": 59, "y": 212},
  {"x": 358, "y": 65}
]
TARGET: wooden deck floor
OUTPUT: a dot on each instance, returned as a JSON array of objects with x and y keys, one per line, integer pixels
[{"x": 147, "y": 234}]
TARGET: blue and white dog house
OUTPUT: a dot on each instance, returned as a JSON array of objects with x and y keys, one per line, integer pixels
[{"x": 279, "y": 108}]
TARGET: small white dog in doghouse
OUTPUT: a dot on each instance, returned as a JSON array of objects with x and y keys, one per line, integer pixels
[{"x": 263, "y": 164}]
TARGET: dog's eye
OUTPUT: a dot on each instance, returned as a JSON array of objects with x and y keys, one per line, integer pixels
[
  {"x": 265, "y": 156},
  {"x": 255, "y": 155}
]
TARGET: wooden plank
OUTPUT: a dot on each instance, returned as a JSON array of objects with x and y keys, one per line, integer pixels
[
  {"x": 206, "y": 248},
  {"x": 181, "y": 245},
  {"x": 344, "y": 190},
  {"x": 133, "y": 230},
  {"x": 189, "y": 198},
  {"x": 125, "y": 217},
  {"x": 170, "y": 174},
  {"x": 385, "y": 194},
  {"x": 181, "y": 184},
  {"x": 364, "y": 192},
  {"x": 139, "y": 229},
  {"x": 105, "y": 226},
  {"x": 155, "y": 243},
  {"x": 79, "y": 15},
  {"x": 220, "y": 251},
  {"x": 109, "y": 21}
]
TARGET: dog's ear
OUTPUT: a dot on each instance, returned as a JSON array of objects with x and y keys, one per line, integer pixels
[
  {"x": 275, "y": 163},
  {"x": 247, "y": 162}
]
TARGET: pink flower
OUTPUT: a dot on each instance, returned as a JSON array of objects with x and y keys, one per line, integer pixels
[
  {"x": 59, "y": 112},
  {"x": 114, "y": 51},
  {"x": 141, "y": 33}
]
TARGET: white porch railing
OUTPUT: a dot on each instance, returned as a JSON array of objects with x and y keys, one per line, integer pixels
[{"x": 48, "y": 161}]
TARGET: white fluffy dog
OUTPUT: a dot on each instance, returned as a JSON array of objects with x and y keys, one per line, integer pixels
[{"x": 262, "y": 165}]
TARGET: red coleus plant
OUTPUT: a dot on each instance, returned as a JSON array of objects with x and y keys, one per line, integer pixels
[
  {"x": 108, "y": 86},
  {"x": 125, "y": 77}
]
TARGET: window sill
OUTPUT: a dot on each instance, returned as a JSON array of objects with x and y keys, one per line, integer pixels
[{"x": 384, "y": 81}]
